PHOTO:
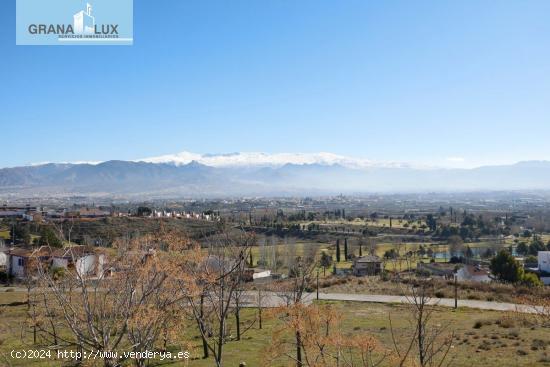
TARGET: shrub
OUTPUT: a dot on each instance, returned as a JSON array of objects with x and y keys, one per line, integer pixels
[
  {"x": 531, "y": 280},
  {"x": 506, "y": 323},
  {"x": 423, "y": 273},
  {"x": 513, "y": 334},
  {"x": 485, "y": 346},
  {"x": 479, "y": 323},
  {"x": 58, "y": 273},
  {"x": 537, "y": 344},
  {"x": 385, "y": 276}
]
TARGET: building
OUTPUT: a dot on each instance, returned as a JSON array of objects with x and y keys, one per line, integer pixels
[
  {"x": 252, "y": 274},
  {"x": 26, "y": 212},
  {"x": 84, "y": 22},
  {"x": 473, "y": 274},
  {"x": 367, "y": 265},
  {"x": 3, "y": 257},
  {"x": 544, "y": 261},
  {"x": 14, "y": 214},
  {"x": 24, "y": 262},
  {"x": 85, "y": 260},
  {"x": 93, "y": 213}
]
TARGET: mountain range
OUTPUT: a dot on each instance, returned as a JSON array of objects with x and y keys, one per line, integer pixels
[{"x": 259, "y": 174}]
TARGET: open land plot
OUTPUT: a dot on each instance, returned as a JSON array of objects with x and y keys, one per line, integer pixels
[
  {"x": 486, "y": 338},
  {"x": 374, "y": 285}
]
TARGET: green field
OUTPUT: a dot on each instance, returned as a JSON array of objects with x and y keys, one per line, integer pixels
[
  {"x": 301, "y": 248},
  {"x": 379, "y": 223}
]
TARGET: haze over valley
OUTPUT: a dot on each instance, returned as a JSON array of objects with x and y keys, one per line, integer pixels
[{"x": 218, "y": 175}]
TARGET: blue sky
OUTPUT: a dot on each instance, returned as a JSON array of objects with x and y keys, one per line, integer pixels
[{"x": 457, "y": 83}]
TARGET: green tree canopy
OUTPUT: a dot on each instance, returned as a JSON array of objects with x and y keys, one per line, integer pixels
[
  {"x": 20, "y": 233},
  {"x": 536, "y": 246},
  {"x": 48, "y": 237},
  {"x": 522, "y": 248},
  {"x": 506, "y": 268}
]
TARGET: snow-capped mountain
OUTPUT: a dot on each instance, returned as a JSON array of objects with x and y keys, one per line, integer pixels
[
  {"x": 258, "y": 159},
  {"x": 246, "y": 174}
]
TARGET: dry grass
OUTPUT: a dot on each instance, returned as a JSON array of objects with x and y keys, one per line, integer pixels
[
  {"x": 481, "y": 338},
  {"x": 492, "y": 292}
]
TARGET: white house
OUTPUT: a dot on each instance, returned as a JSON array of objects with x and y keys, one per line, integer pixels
[
  {"x": 21, "y": 260},
  {"x": 473, "y": 274},
  {"x": 544, "y": 261},
  {"x": 3, "y": 257},
  {"x": 84, "y": 259}
]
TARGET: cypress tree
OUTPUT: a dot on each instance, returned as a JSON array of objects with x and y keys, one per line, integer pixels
[
  {"x": 338, "y": 250},
  {"x": 345, "y": 249}
]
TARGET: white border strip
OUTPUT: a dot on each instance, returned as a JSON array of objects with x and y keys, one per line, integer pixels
[{"x": 95, "y": 39}]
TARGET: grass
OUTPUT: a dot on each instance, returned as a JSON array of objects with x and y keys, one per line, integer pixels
[
  {"x": 4, "y": 234},
  {"x": 481, "y": 338},
  {"x": 380, "y": 222},
  {"x": 300, "y": 248},
  {"x": 493, "y": 292}
]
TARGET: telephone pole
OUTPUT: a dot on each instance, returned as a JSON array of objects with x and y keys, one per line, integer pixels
[
  {"x": 317, "y": 284},
  {"x": 456, "y": 291}
]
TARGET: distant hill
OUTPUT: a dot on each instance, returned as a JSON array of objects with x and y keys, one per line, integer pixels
[{"x": 156, "y": 180}]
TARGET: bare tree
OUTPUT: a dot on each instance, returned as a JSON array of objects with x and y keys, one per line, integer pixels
[
  {"x": 241, "y": 297},
  {"x": 429, "y": 344},
  {"x": 107, "y": 313},
  {"x": 260, "y": 302},
  {"x": 456, "y": 245},
  {"x": 323, "y": 342},
  {"x": 212, "y": 283},
  {"x": 293, "y": 291}
]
